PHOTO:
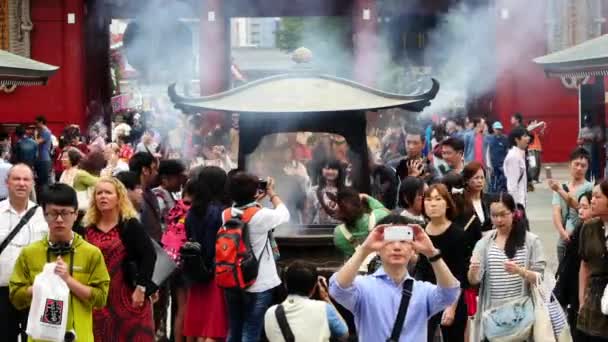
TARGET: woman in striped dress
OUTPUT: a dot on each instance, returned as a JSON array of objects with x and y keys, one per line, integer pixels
[{"x": 506, "y": 261}]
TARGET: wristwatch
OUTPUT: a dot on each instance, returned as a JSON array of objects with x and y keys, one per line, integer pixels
[
  {"x": 141, "y": 288},
  {"x": 436, "y": 256}
]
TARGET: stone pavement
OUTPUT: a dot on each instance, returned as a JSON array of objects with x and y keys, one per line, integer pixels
[{"x": 539, "y": 212}]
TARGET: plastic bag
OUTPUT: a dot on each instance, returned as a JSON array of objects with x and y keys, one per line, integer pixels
[
  {"x": 604, "y": 302},
  {"x": 48, "y": 315}
]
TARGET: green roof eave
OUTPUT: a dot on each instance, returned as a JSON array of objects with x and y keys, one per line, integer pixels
[
  {"x": 589, "y": 58},
  {"x": 19, "y": 70}
]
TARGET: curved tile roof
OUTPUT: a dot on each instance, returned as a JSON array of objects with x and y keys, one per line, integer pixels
[
  {"x": 586, "y": 59},
  {"x": 301, "y": 93},
  {"x": 19, "y": 70}
]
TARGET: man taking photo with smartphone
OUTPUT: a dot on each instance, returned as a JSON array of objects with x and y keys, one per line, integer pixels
[{"x": 373, "y": 299}]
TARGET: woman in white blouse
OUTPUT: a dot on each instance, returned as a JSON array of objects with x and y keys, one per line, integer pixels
[{"x": 69, "y": 159}]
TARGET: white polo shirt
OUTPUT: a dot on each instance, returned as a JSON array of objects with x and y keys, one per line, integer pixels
[{"x": 34, "y": 230}]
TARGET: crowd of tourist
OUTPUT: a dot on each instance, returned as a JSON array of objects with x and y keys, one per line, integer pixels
[{"x": 100, "y": 207}]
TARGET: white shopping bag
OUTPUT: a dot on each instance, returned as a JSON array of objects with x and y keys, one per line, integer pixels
[{"x": 48, "y": 315}]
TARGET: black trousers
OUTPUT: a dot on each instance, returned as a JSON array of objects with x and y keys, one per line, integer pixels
[
  {"x": 12, "y": 321},
  {"x": 453, "y": 333}
]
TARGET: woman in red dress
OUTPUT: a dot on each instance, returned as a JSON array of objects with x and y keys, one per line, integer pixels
[
  {"x": 206, "y": 317},
  {"x": 113, "y": 227}
]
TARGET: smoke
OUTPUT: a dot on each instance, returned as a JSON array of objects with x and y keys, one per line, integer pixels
[{"x": 466, "y": 57}]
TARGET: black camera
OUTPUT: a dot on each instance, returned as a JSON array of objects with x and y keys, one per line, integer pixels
[
  {"x": 263, "y": 185},
  {"x": 70, "y": 336}
]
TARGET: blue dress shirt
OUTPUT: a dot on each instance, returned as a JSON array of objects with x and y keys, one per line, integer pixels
[{"x": 374, "y": 301}]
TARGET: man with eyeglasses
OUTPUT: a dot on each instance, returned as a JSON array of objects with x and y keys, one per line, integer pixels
[
  {"x": 19, "y": 182},
  {"x": 80, "y": 264}
]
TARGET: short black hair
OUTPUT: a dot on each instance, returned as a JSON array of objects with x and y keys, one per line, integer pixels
[
  {"x": 517, "y": 133},
  {"x": 170, "y": 167},
  {"x": 243, "y": 187},
  {"x": 519, "y": 117},
  {"x": 300, "y": 278},
  {"x": 74, "y": 155},
  {"x": 129, "y": 179},
  {"x": 477, "y": 120},
  {"x": 394, "y": 219},
  {"x": 415, "y": 131},
  {"x": 409, "y": 189},
  {"x": 20, "y": 131},
  {"x": 59, "y": 194},
  {"x": 580, "y": 153},
  {"x": 455, "y": 143},
  {"x": 41, "y": 118},
  {"x": 140, "y": 160}
]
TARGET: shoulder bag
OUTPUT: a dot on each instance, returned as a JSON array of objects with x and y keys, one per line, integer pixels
[
  {"x": 406, "y": 295},
  {"x": 279, "y": 314},
  {"x": 24, "y": 220}
]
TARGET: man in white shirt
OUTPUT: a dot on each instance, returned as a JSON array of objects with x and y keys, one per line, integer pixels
[
  {"x": 20, "y": 182},
  {"x": 246, "y": 308},
  {"x": 308, "y": 319},
  {"x": 515, "y": 165}
]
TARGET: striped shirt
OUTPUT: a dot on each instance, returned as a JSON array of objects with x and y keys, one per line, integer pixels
[{"x": 504, "y": 285}]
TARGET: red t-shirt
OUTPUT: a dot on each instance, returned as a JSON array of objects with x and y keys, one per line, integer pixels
[{"x": 479, "y": 148}]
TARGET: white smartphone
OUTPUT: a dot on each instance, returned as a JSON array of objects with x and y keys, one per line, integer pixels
[{"x": 399, "y": 233}]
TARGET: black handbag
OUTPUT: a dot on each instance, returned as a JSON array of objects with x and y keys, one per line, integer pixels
[{"x": 194, "y": 266}]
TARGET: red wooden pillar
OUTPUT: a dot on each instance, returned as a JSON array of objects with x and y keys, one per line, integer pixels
[
  {"x": 73, "y": 62},
  {"x": 365, "y": 39},
  {"x": 505, "y": 100},
  {"x": 214, "y": 47}
]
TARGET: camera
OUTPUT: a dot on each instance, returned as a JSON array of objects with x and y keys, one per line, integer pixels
[
  {"x": 263, "y": 184},
  {"x": 70, "y": 336}
]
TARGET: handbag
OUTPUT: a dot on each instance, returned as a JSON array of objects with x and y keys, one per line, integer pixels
[
  {"x": 509, "y": 322},
  {"x": 193, "y": 262},
  {"x": 543, "y": 330}
]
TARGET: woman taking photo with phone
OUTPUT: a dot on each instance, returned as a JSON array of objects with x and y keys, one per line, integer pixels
[
  {"x": 594, "y": 269},
  {"x": 505, "y": 262},
  {"x": 449, "y": 238}
]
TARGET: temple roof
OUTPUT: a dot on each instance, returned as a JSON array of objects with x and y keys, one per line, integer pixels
[
  {"x": 19, "y": 70},
  {"x": 589, "y": 58},
  {"x": 304, "y": 92}
]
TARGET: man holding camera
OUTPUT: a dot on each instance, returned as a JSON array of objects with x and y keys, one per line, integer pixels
[
  {"x": 78, "y": 263},
  {"x": 305, "y": 318},
  {"x": 389, "y": 305},
  {"x": 246, "y": 308}
]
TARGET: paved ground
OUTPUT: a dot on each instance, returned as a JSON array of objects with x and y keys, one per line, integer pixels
[{"x": 539, "y": 213}]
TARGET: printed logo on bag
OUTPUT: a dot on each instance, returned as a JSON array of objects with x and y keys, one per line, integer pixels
[{"x": 53, "y": 311}]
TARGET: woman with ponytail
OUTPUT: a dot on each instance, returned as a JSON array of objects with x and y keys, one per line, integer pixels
[{"x": 506, "y": 261}]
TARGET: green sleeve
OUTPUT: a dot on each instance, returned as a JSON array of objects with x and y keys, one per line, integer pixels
[
  {"x": 84, "y": 180},
  {"x": 342, "y": 243},
  {"x": 18, "y": 284},
  {"x": 374, "y": 203},
  {"x": 99, "y": 281}
]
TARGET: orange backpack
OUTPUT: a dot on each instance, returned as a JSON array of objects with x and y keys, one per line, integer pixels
[{"x": 236, "y": 266}]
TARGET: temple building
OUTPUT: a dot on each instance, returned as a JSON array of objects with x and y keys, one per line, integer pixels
[{"x": 76, "y": 36}]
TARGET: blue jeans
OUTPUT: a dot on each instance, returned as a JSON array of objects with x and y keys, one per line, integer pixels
[{"x": 246, "y": 314}]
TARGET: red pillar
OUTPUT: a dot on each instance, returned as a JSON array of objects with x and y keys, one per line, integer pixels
[
  {"x": 365, "y": 39},
  {"x": 214, "y": 47},
  {"x": 73, "y": 62}
]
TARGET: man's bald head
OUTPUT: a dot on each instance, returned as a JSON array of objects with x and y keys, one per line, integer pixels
[
  {"x": 20, "y": 181},
  {"x": 19, "y": 168}
]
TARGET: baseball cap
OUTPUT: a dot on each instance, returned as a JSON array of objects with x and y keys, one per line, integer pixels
[{"x": 497, "y": 125}]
